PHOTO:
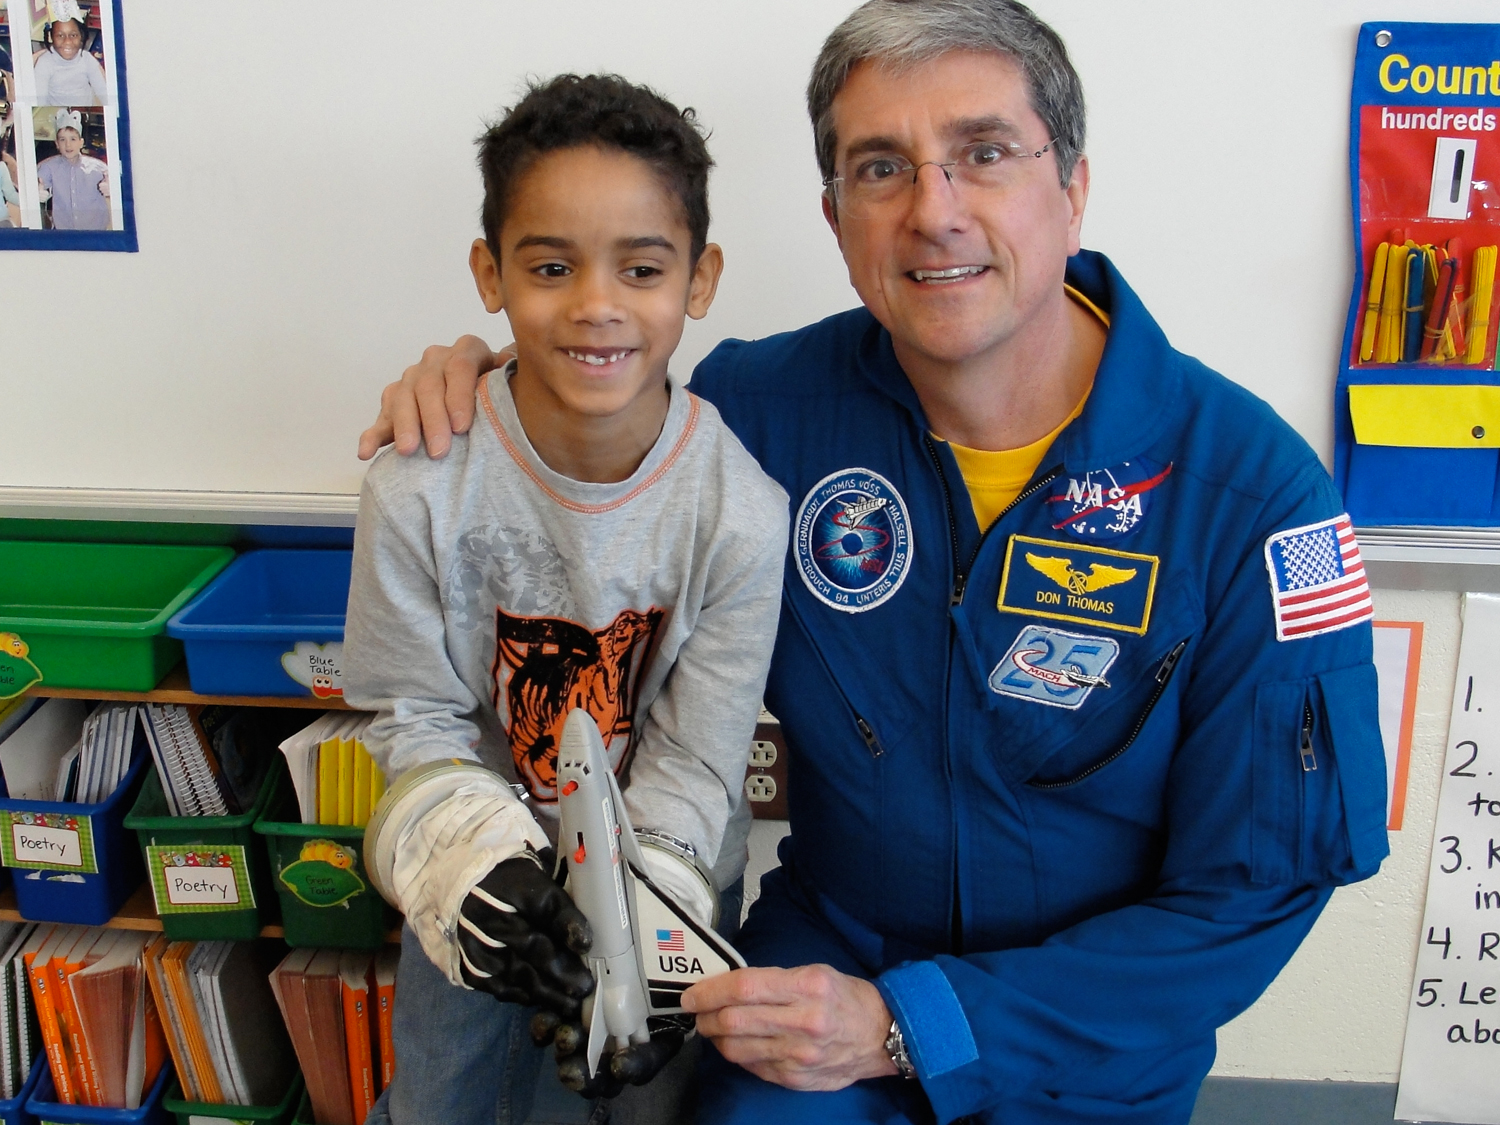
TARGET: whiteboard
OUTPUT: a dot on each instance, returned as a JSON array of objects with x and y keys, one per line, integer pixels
[{"x": 306, "y": 192}]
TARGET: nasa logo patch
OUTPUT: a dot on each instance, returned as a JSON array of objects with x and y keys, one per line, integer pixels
[
  {"x": 1105, "y": 503},
  {"x": 1053, "y": 667},
  {"x": 852, "y": 540}
]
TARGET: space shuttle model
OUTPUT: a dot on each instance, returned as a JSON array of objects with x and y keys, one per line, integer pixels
[{"x": 647, "y": 950}]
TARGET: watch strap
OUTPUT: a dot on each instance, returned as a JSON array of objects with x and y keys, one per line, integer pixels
[{"x": 895, "y": 1046}]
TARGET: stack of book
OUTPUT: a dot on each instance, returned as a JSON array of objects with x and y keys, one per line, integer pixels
[
  {"x": 19, "y": 1034},
  {"x": 60, "y": 751},
  {"x": 201, "y": 756},
  {"x": 336, "y": 780},
  {"x": 92, "y": 769},
  {"x": 97, "y": 1019},
  {"x": 227, "y": 1043},
  {"x": 337, "y": 1005}
]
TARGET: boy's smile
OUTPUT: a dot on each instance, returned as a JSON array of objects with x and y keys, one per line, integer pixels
[{"x": 596, "y": 277}]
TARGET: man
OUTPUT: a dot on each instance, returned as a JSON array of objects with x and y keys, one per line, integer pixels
[
  {"x": 1074, "y": 658},
  {"x": 78, "y": 185}
]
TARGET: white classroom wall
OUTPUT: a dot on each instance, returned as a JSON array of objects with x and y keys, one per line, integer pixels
[{"x": 305, "y": 195}]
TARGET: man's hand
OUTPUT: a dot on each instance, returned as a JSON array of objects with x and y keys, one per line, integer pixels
[
  {"x": 636, "y": 1064},
  {"x": 520, "y": 937},
  {"x": 812, "y": 1028},
  {"x": 433, "y": 398}
]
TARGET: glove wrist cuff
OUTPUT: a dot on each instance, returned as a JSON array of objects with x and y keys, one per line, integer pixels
[
  {"x": 415, "y": 793},
  {"x": 693, "y": 869}
]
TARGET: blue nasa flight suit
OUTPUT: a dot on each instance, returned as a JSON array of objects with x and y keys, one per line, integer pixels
[{"x": 1058, "y": 789}]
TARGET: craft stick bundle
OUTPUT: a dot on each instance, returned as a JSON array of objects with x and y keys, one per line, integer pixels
[{"x": 1417, "y": 309}]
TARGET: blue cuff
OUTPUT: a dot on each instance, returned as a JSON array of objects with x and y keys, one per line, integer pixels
[{"x": 932, "y": 1021}]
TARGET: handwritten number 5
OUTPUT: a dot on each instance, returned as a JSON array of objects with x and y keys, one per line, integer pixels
[
  {"x": 1452, "y": 849},
  {"x": 1463, "y": 770}
]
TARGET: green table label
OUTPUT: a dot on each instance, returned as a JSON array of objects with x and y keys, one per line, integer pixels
[
  {"x": 47, "y": 841},
  {"x": 323, "y": 874},
  {"x": 17, "y": 672},
  {"x": 199, "y": 878}
]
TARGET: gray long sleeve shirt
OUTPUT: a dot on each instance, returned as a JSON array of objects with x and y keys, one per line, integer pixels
[{"x": 491, "y": 596}]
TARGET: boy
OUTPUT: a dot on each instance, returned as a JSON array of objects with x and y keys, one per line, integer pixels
[
  {"x": 77, "y": 184},
  {"x": 600, "y": 541}
]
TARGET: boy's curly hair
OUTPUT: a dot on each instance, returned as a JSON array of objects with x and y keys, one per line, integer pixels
[{"x": 572, "y": 110}]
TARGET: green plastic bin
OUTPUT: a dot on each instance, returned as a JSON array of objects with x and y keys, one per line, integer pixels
[
  {"x": 94, "y": 615},
  {"x": 209, "y": 1113},
  {"x": 153, "y": 826},
  {"x": 319, "y": 874}
]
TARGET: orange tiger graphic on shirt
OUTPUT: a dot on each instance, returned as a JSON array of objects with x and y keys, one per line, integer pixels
[{"x": 547, "y": 666}]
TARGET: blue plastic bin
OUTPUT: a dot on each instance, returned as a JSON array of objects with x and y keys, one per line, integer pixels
[
  {"x": 152, "y": 1112},
  {"x": 88, "y": 899},
  {"x": 271, "y": 624},
  {"x": 13, "y": 1110}
]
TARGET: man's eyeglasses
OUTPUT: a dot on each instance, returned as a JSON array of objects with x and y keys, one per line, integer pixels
[{"x": 878, "y": 181}]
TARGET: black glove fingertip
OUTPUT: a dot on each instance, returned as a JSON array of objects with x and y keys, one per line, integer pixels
[
  {"x": 544, "y": 1026},
  {"x": 567, "y": 1039}
]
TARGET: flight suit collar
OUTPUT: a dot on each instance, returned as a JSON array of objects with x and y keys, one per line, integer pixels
[{"x": 1137, "y": 378}]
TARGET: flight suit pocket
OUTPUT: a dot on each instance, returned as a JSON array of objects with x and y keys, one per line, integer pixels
[{"x": 1318, "y": 780}]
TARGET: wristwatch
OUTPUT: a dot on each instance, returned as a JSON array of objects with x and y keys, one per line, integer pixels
[{"x": 895, "y": 1046}]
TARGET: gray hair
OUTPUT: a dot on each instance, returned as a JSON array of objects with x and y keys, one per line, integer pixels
[{"x": 899, "y": 34}]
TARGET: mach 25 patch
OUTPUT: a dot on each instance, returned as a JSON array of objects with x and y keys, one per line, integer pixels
[{"x": 1072, "y": 581}]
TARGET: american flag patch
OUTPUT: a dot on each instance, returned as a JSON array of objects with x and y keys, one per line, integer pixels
[
  {"x": 670, "y": 941},
  {"x": 1317, "y": 579}
]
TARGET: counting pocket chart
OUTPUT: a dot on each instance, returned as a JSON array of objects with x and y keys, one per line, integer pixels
[{"x": 1417, "y": 403}]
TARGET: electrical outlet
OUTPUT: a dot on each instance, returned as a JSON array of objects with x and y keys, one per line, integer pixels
[
  {"x": 762, "y": 755},
  {"x": 760, "y": 787}
]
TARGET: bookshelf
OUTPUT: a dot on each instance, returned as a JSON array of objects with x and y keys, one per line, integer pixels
[
  {"x": 139, "y": 913},
  {"x": 175, "y": 689},
  {"x": 767, "y": 773},
  {"x": 139, "y": 910}
]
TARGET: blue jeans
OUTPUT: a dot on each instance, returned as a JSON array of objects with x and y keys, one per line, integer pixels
[{"x": 465, "y": 1058}]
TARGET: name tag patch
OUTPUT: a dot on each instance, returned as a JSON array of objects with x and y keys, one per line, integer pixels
[
  {"x": 1053, "y": 667},
  {"x": 1078, "y": 582}
]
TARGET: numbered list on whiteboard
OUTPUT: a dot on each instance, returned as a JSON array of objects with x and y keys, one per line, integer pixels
[{"x": 1450, "y": 1068}]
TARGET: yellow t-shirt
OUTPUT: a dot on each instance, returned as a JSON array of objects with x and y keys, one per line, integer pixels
[{"x": 995, "y": 478}]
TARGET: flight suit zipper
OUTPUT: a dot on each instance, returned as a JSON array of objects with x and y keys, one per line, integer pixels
[
  {"x": 1309, "y": 756},
  {"x": 1163, "y": 678},
  {"x": 956, "y": 598},
  {"x": 960, "y": 572},
  {"x": 861, "y": 724}
]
